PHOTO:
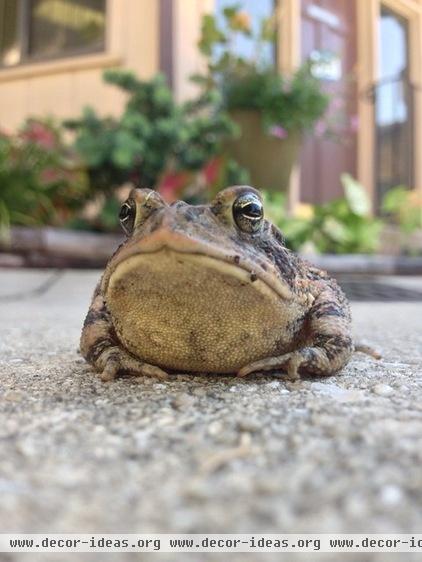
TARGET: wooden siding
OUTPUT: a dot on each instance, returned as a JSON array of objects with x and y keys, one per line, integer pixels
[{"x": 63, "y": 87}]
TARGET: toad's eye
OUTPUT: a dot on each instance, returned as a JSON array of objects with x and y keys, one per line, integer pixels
[
  {"x": 248, "y": 212},
  {"x": 127, "y": 216}
]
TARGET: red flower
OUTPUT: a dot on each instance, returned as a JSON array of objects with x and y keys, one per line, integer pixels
[
  {"x": 212, "y": 170},
  {"x": 39, "y": 134},
  {"x": 171, "y": 185}
]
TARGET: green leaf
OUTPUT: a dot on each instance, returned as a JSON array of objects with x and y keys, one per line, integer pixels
[
  {"x": 210, "y": 35},
  {"x": 125, "y": 150},
  {"x": 335, "y": 230},
  {"x": 268, "y": 31},
  {"x": 356, "y": 196},
  {"x": 231, "y": 11},
  {"x": 395, "y": 199}
]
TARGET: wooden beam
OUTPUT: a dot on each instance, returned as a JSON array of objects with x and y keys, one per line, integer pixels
[
  {"x": 289, "y": 35},
  {"x": 416, "y": 79},
  {"x": 367, "y": 73},
  {"x": 187, "y": 60},
  {"x": 405, "y": 8},
  {"x": 288, "y": 60}
]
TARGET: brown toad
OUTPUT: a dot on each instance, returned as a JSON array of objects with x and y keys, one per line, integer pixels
[{"x": 212, "y": 289}]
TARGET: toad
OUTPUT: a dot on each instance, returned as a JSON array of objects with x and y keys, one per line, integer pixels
[{"x": 212, "y": 289}]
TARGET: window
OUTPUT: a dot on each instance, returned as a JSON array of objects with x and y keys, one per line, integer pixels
[
  {"x": 9, "y": 47},
  {"x": 393, "y": 67},
  {"x": 33, "y": 30},
  {"x": 393, "y": 105}
]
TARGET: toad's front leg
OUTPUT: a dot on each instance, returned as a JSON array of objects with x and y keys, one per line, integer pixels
[
  {"x": 330, "y": 347},
  {"x": 99, "y": 345}
]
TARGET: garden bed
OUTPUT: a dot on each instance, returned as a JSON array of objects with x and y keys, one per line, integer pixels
[
  {"x": 53, "y": 247},
  {"x": 57, "y": 247}
]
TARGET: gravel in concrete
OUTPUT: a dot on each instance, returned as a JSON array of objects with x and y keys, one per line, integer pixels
[{"x": 202, "y": 454}]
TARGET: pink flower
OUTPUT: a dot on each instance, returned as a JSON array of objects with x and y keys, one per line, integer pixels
[
  {"x": 39, "y": 134},
  {"x": 278, "y": 132},
  {"x": 337, "y": 104},
  {"x": 354, "y": 123},
  {"x": 320, "y": 129}
]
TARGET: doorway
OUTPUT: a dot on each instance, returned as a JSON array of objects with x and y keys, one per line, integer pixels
[{"x": 328, "y": 38}]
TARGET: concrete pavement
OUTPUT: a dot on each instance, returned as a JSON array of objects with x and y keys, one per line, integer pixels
[{"x": 202, "y": 454}]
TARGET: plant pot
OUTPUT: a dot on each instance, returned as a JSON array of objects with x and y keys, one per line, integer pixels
[
  {"x": 268, "y": 159},
  {"x": 396, "y": 242}
]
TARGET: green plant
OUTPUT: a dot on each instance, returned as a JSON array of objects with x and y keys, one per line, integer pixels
[
  {"x": 41, "y": 181},
  {"x": 153, "y": 137},
  {"x": 342, "y": 226},
  {"x": 294, "y": 102},
  {"x": 404, "y": 207}
]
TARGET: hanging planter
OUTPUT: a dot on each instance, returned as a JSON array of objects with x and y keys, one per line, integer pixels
[
  {"x": 272, "y": 110},
  {"x": 269, "y": 154}
]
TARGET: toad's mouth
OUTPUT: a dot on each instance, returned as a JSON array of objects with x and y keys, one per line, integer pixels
[
  {"x": 194, "y": 312},
  {"x": 162, "y": 251},
  {"x": 167, "y": 265}
]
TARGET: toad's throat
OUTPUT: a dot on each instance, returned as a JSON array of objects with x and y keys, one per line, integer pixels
[
  {"x": 210, "y": 256},
  {"x": 193, "y": 312}
]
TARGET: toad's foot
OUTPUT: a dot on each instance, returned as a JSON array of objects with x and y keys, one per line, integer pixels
[
  {"x": 290, "y": 362},
  {"x": 101, "y": 348},
  {"x": 363, "y": 348},
  {"x": 330, "y": 343},
  {"x": 319, "y": 360},
  {"x": 115, "y": 360}
]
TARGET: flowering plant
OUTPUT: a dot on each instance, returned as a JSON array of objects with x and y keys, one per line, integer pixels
[
  {"x": 41, "y": 179},
  {"x": 286, "y": 103}
]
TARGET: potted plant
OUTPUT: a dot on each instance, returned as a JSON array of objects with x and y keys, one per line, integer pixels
[{"x": 272, "y": 110}]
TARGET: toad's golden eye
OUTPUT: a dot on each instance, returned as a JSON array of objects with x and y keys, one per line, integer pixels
[
  {"x": 127, "y": 216},
  {"x": 248, "y": 212}
]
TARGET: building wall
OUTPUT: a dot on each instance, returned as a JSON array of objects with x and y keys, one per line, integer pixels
[
  {"x": 137, "y": 39},
  {"x": 63, "y": 87},
  {"x": 186, "y": 59}
]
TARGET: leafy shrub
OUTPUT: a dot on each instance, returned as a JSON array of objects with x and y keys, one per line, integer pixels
[
  {"x": 153, "y": 137},
  {"x": 404, "y": 207},
  {"x": 342, "y": 226},
  {"x": 41, "y": 181}
]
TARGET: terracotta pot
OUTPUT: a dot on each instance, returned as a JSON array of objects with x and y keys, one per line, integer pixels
[{"x": 268, "y": 159}]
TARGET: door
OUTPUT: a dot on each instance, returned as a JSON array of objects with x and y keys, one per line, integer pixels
[{"x": 328, "y": 31}]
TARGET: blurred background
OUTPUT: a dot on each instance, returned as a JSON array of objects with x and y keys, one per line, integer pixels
[
  {"x": 315, "y": 102},
  {"x": 318, "y": 104}
]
